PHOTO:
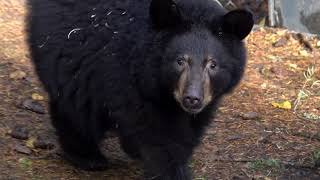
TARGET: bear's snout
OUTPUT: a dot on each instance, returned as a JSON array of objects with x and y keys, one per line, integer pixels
[{"x": 192, "y": 102}]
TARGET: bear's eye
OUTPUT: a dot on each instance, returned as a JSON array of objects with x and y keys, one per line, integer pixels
[
  {"x": 180, "y": 61},
  {"x": 213, "y": 64}
]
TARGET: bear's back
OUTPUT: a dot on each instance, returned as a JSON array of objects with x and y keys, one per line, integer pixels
[{"x": 65, "y": 35}]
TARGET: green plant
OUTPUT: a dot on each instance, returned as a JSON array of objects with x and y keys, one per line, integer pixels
[
  {"x": 272, "y": 166},
  {"x": 192, "y": 163},
  {"x": 311, "y": 116},
  {"x": 311, "y": 82},
  {"x": 25, "y": 163},
  {"x": 316, "y": 158}
]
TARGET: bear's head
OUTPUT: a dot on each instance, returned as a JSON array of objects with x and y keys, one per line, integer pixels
[{"x": 203, "y": 56}]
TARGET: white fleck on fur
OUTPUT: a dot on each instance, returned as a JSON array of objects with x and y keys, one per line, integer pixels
[{"x": 73, "y": 31}]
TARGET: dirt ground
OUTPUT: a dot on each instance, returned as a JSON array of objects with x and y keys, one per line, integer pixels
[{"x": 256, "y": 135}]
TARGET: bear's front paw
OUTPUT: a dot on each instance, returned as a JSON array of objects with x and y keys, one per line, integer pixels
[
  {"x": 174, "y": 173},
  {"x": 90, "y": 163}
]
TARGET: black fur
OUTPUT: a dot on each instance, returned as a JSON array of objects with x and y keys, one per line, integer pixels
[{"x": 106, "y": 65}]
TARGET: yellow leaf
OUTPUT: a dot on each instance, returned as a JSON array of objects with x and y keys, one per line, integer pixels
[
  {"x": 294, "y": 66},
  {"x": 304, "y": 53},
  {"x": 30, "y": 142},
  {"x": 274, "y": 39},
  {"x": 37, "y": 97},
  {"x": 271, "y": 57},
  {"x": 295, "y": 54},
  {"x": 282, "y": 105},
  {"x": 17, "y": 75},
  {"x": 318, "y": 44},
  {"x": 262, "y": 22},
  {"x": 281, "y": 32}
]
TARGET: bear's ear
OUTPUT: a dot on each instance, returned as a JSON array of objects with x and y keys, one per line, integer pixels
[
  {"x": 164, "y": 13},
  {"x": 238, "y": 23}
]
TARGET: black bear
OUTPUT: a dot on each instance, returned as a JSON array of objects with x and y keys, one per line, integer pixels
[{"x": 153, "y": 70}]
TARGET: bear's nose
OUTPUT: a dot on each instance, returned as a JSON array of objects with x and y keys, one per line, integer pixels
[{"x": 191, "y": 102}]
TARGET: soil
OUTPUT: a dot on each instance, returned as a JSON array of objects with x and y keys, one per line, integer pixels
[{"x": 252, "y": 136}]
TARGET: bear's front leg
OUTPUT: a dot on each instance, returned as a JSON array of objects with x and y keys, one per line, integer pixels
[{"x": 166, "y": 162}]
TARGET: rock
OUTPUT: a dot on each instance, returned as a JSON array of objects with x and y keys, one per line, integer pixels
[
  {"x": 304, "y": 41},
  {"x": 19, "y": 132},
  {"x": 41, "y": 143},
  {"x": 22, "y": 149},
  {"x": 33, "y": 106},
  {"x": 250, "y": 116},
  {"x": 281, "y": 71},
  {"x": 281, "y": 42}
]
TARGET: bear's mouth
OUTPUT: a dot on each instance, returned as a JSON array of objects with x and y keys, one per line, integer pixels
[
  {"x": 192, "y": 110},
  {"x": 189, "y": 104}
]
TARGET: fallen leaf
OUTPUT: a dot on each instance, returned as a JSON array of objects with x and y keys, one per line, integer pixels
[
  {"x": 304, "y": 53},
  {"x": 281, "y": 32},
  {"x": 294, "y": 66},
  {"x": 273, "y": 39},
  {"x": 17, "y": 75},
  {"x": 274, "y": 58},
  {"x": 30, "y": 142},
  {"x": 318, "y": 44},
  {"x": 37, "y": 97},
  {"x": 262, "y": 22},
  {"x": 295, "y": 54},
  {"x": 282, "y": 105}
]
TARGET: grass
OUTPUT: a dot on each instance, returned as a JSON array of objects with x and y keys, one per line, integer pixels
[
  {"x": 311, "y": 116},
  {"x": 25, "y": 163},
  {"x": 316, "y": 158},
  {"x": 308, "y": 90},
  {"x": 192, "y": 163},
  {"x": 269, "y": 166}
]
